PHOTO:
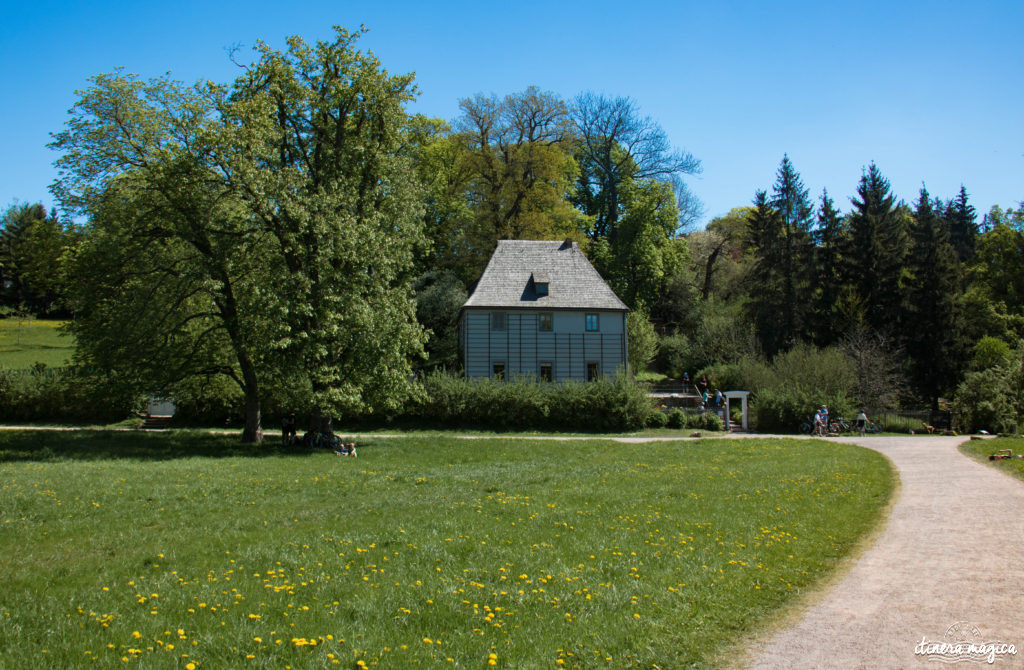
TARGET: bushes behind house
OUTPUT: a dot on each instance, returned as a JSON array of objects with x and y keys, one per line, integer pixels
[
  {"x": 791, "y": 387},
  {"x": 608, "y": 405},
  {"x": 783, "y": 409}
]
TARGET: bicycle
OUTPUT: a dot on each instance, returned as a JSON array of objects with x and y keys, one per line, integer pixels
[
  {"x": 807, "y": 426},
  {"x": 839, "y": 425}
]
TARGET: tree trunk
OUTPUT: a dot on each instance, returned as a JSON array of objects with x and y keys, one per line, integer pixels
[
  {"x": 321, "y": 423},
  {"x": 253, "y": 431}
]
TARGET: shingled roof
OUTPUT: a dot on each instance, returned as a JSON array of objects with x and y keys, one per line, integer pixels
[{"x": 573, "y": 283}]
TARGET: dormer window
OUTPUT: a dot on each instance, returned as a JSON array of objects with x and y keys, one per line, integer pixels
[{"x": 540, "y": 283}]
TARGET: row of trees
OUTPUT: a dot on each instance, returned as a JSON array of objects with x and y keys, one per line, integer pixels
[
  {"x": 33, "y": 243},
  {"x": 925, "y": 279},
  {"x": 297, "y": 231}
]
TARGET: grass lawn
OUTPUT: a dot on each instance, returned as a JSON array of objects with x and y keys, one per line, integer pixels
[
  {"x": 982, "y": 449},
  {"x": 164, "y": 550},
  {"x": 25, "y": 343}
]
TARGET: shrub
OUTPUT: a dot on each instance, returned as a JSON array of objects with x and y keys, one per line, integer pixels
[
  {"x": 61, "y": 395},
  {"x": 524, "y": 403},
  {"x": 711, "y": 421},
  {"x": 986, "y": 400},
  {"x": 827, "y": 371},
  {"x": 747, "y": 374},
  {"x": 643, "y": 341},
  {"x": 673, "y": 355},
  {"x": 783, "y": 409},
  {"x": 990, "y": 352},
  {"x": 676, "y": 418},
  {"x": 657, "y": 420}
]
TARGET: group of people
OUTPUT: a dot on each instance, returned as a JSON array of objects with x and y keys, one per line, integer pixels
[
  {"x": 315, "y": 439},
  {"x": 821, "y": 424},
  {"x": 703, "y": 388}
]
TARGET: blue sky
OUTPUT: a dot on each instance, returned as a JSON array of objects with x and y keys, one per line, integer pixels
[{"x": 932, "y": 92}]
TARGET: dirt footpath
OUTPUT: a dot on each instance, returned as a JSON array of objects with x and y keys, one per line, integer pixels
[{"x": 948, "y": 566}]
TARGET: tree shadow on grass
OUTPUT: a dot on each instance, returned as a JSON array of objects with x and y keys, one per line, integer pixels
[{"x": 99, "y": 445}]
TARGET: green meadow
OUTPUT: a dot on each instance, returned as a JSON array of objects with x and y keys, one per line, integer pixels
[
  {"x": 23, "y": 343},
  {"x": 185, "y": 549}
]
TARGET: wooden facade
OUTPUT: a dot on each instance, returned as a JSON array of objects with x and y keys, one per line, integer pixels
[
  {"x": 523, "y": 348},
  {"x": 541, "y": 310}
]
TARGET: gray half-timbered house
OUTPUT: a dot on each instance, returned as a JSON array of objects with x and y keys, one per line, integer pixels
[{"x": 541, "y": 309}]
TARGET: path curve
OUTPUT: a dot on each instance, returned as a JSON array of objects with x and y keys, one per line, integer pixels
[{"x": 952, "y": 551}]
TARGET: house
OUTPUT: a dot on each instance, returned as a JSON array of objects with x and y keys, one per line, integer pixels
[{"x": 541, "y": 309}]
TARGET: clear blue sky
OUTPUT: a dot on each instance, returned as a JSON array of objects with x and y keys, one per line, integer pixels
[{"x": 931, "y": 91}]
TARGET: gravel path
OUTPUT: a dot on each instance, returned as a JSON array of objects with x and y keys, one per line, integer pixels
[{"x": 952, "y": 552}]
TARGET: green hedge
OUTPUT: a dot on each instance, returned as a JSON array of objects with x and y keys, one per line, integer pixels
[
  {"x": 609, "y": 405},
  {"x": 61, "y": 395}
]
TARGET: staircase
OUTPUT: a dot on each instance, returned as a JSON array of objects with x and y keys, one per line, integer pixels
[{"x": 155, "y": 422}]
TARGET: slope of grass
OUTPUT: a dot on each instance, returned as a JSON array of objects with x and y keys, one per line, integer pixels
[
  {"x": 160, "y": 551},
  {"x": 982, "y": 449},
  {"x": 24, "y": 343}
]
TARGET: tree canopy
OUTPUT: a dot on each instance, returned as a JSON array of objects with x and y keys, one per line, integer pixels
[{"x": 258, "y": 230}]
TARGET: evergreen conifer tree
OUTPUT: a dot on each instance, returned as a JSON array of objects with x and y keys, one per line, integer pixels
[
  {"x": 780, "y": 236},
  {"x": 766, "y": 292},
  {"x": 933, "y": 316},
  {"x": 794, "y": 260},
  {"x": 877, "y": 251},
  {"x": 963, "y": 225},
  {"x": 829, "y": 237}
]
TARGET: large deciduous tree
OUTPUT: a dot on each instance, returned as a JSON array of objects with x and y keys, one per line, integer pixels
[
  {"x": 318, "y": 139},
  {"x": 644, "y": 255},
  {"x": 263, "y": 230},
  {"x": 166, "y": 283},
  {"x": 520, "y": 169},
  {"x": 616, "y": 145}
]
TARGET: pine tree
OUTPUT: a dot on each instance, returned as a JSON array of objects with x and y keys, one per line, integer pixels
[
  {"x": 877, "y": 251},
  {"x": 963, "y": 225},
  {"x": 781, "y": 240},
  {"x": 791, "y": 200},
  {"x": 829, "y": 237},
  {"x": 933, "y": 316},
  {"x": 766, "y": 291}
]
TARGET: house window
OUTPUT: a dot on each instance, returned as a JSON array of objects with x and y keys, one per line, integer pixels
[
  {"x": 545, "y": 372},
  {"x": 593, "y": 324},
  {"x": 545, "y": 321},
  {"x": 497, "y": 320},
  {"x": 541, "y": 288},
  {"x": 499, "y": 370},
  {"x": 593, "y": 371}
]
